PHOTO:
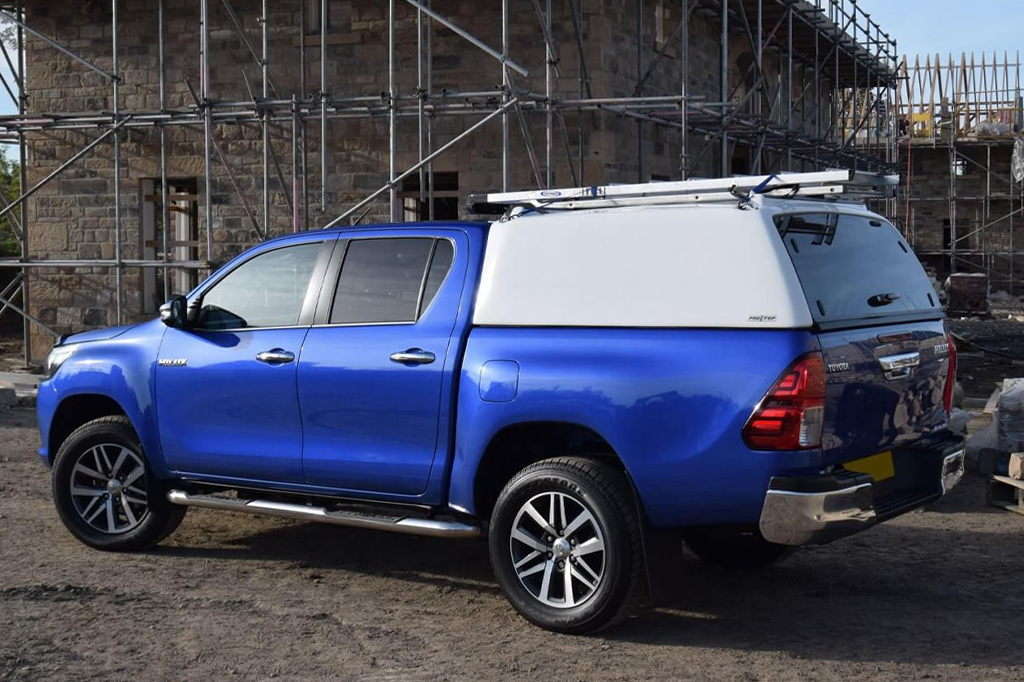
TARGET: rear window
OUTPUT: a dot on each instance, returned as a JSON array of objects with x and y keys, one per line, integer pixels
[{"x": 853, "y": 267}]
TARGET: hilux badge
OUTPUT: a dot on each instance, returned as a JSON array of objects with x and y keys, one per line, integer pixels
[{"x": 172, "y": 362}]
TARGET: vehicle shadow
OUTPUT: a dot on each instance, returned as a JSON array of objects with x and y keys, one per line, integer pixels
[
  {"x": 941, "y": 594},
  {"x": 462, "y": 564}
]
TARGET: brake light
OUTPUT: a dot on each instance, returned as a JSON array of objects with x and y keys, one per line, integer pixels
[
  {"x": 792, "y": 414},
  {"x": 947, "y": 392}
]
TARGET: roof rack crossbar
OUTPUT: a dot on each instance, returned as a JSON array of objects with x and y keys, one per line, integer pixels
[{"x": 847, "y": 183}]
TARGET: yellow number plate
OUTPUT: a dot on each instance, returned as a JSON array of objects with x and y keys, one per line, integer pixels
[{"x": 879, "y": 466}]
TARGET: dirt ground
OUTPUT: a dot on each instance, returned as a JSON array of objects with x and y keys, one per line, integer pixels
[{"x": 935, "y": 594}]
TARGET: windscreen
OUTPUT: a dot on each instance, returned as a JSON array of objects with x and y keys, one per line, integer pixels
[{"x": 854, "y": 267}]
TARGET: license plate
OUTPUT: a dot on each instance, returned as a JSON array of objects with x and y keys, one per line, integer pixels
[{"x": 879, "y": 467}]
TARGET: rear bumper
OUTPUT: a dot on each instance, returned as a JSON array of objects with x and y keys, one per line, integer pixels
[{"x": 818, "y": 509}]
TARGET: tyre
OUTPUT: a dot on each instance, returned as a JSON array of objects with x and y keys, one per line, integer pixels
[
  {"x": 735, "y": 549},
  {"x": 104, "y": 491},
  {"x": 565, "y": 545}
]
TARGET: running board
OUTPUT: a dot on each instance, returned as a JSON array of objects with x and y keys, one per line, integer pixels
[{"x": 410, "y": 525}]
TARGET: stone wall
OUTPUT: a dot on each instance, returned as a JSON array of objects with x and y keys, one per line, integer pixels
[{"x": 73, "y": 217}]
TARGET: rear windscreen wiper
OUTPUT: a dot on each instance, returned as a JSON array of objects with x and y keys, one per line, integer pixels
[{"x": 879, "y": 300}]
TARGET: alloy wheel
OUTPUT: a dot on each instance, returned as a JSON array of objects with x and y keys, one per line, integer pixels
[
  {"x": 558, "y": 549},
  {"x": 108, "y": 487}
]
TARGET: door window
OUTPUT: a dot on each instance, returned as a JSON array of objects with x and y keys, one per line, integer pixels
[
  {"x": 266, "y": 291},
  {"x": 389, "y": 280},
  {"x": 440, "y": 264}
]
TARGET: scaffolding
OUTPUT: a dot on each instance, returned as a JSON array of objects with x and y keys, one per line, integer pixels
[
  {"x": 817, "y": 93},
  {"x": 965, "y": 115}
]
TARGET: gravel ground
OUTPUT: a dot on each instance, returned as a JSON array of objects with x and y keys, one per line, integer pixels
[{"x": 935, "y": 594}]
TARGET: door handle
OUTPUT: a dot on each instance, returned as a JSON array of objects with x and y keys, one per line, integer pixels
[
  {"x": 277, "y": 356},
  {"x": 413, "y": 356},
  {"x": 899, "y": 366}
]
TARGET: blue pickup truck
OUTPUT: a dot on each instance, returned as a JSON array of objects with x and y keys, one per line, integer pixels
[{"x": 589, "y": 381}]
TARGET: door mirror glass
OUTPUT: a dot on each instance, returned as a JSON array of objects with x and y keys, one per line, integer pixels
[{"x": 174, "y": 312}]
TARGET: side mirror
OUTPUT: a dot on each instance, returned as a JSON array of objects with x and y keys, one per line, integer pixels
[{"x": 174, "y": 313}]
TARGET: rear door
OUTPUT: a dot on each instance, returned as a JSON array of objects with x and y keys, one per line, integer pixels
[
  {"x": 372, "y": 376},
  {"x": 880, "y": 328}
]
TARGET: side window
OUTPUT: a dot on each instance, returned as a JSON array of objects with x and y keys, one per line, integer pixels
[
  {"x": 440, "y": 264},
  {"x": 266, "y": 291},
  {"x": 389, "y": 280}
]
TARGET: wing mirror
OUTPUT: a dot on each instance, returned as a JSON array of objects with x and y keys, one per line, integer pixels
[{"x": 174, "y": 313}]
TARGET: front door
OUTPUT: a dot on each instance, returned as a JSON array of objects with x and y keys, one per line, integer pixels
[
  {"x": 226, "y": 397},
  {"x": 372, "y": 375}
]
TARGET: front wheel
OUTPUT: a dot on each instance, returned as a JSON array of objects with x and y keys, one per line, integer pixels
[
  {"x": 735, "y": 549},
  {"x": 565, "y": 545},
  {"x": 104, "y": 491}
]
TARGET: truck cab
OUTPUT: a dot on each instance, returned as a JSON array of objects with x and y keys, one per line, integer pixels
[{"x": 593, "y": 378}]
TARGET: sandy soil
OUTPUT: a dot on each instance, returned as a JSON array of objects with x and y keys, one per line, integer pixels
[{"x": 936, "y": 594}]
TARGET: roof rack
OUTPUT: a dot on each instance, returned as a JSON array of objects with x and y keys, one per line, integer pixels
[{"x": 841, "y": 183}]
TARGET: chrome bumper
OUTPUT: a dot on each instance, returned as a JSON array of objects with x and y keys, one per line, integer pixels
[{"x": 816, "y": 511}]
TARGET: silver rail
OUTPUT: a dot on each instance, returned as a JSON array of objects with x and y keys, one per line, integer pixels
[{"x": 409, "y": 525}]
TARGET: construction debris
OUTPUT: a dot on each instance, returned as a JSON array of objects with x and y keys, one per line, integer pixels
[
  {"x": 982, "y": 441},
  {"x": 1006, "y": 493},
  {"x": 958, "y": 420},
  {"x": 967, "y": 294},
  {"x": 1010, "y": 417},
  {"x": 988, "y": 450},
  {"x": 1017, "y": 466}
]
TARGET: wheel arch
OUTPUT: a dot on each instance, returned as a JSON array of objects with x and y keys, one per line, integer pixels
[
  {"x": 76, "y": 410},
  {"x": 516, "y": 446}
]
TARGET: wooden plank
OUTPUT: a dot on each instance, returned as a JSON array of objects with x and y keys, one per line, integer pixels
[
  {"x": 1006, "y": 493},
  {"x": 1006, "y": 480}
]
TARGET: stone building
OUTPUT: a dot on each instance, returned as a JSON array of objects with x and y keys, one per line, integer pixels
[{"x": 614, "y": 116}]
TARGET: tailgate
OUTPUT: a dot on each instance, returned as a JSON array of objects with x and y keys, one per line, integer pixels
[
  {"x": 880, "y": 330},
  {"x": 884, "y": 389}
]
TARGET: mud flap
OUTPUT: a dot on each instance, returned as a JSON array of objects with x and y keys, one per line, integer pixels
[{"x": 663, "y": 557}]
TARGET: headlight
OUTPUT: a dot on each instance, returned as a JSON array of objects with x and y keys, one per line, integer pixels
[{"x": 57, "y": 357}]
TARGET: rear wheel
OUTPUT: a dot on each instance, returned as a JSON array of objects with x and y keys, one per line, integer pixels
[
  {"x": 565, "y": 545},
  {"x": 104, "y": 491},
  {"x": 735, "y": 549}
]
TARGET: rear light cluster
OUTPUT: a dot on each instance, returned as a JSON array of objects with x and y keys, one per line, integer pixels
[
  {"x": 792, "y": 414},
  {"x": 947, "y": 392}
]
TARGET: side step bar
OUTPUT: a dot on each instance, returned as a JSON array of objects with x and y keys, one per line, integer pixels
[{"x": 410, "y": 525}]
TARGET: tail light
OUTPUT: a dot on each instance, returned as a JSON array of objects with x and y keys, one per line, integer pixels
[
  {"x": 792, "y": 413},
  {"x": 947, "y": 392}
]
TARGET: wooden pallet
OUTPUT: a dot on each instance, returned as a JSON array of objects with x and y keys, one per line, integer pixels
[{"x": 1006, "y": 493}]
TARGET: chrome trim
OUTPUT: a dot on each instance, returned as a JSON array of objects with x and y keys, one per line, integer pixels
[
  {"x": 792, "y": 518},
  {"x": 364, "y": 324},
  {"x": 796, "y": 518},
  {"x": 276, "y": 356},
  {"x": 899, "y": 366},
  {"x": 408, "y": 525},
  {"x": 413, "y": 356},
  {"x": 952, "y": 470}
]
